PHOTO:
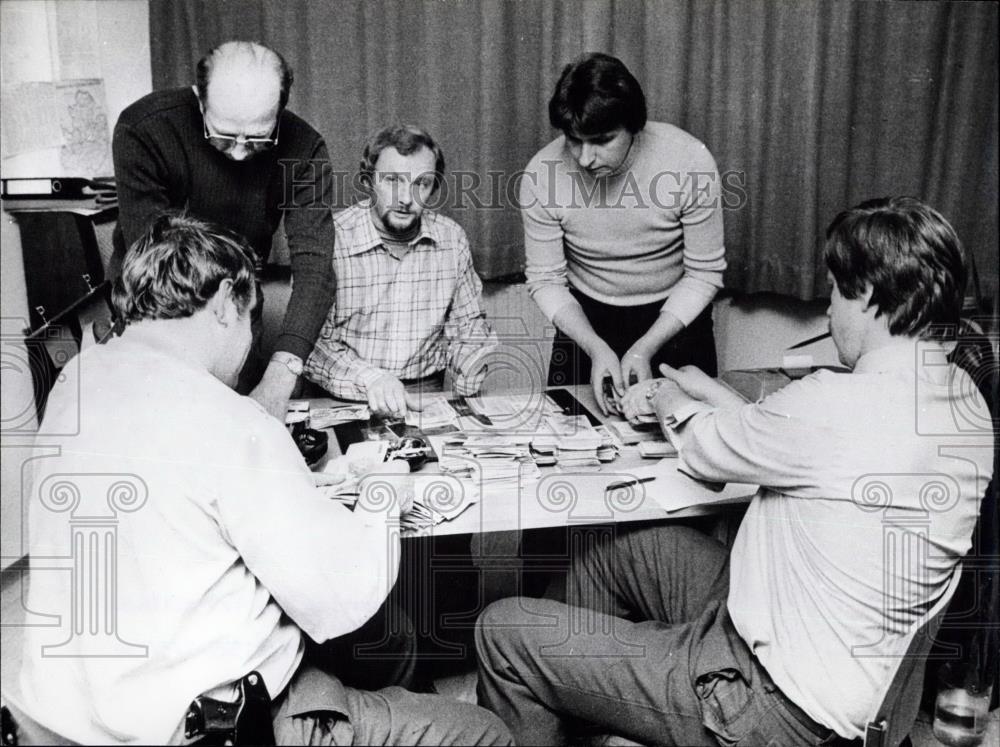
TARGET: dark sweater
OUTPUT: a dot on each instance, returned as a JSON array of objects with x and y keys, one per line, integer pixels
[{"x": 162, "y": 161}]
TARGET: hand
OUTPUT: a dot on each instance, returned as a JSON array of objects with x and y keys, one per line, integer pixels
[
  {"x": 404, "y": 488},
  {"x": 604, "y": 364},
  {"x": 327, "y": 482},
  {"x": 388, "y": 397},
  {"x": 326, "y": 479},
  {"x": 636, "y": 365},
  {"x": 638, "y": 400},
  {"x": 700, "y": 386},
  {"x": 275, "y": 389}
]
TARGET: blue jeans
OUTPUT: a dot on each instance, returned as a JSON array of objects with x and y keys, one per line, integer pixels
[{"x": 643, "y": 648}]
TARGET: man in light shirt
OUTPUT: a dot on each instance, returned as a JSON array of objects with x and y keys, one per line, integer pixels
[
  {"x": 407, "y": 304},
  {"x": 793, "y": 637},
  {"x": 200, "y": 548}
]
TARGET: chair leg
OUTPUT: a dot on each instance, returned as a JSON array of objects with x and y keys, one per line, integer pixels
[{"x": 8, "y": 735}]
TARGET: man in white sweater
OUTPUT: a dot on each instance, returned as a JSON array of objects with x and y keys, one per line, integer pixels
[
  {"x": 622, "y": 233},
  {"x": 177, "y": 539}
]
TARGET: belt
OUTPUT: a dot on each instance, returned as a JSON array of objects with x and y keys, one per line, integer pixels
[{"x": 827, "y": 735}]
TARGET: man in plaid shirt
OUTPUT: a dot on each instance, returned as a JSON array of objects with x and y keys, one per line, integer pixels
[{"x": 407, "y": 301}]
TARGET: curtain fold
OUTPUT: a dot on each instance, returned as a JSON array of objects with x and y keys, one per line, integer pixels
[{"x": 808, "y": 106}]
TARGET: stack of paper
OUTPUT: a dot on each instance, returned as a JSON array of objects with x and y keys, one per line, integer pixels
[
  {"x": 510, "y": 413},
  {"x": 325, "y": 417},
  {"x": 434, "y": 498},
  {"x": 436, "y": 414},
  {"x": 611, "y": 445},
  {"x": 361, "y": 458},
  {"x": 430, "y": 499},
  {"x": 642, "y": 432},
  {"x": 485, "y": 460},
  {"x": 571, "y": 442}
]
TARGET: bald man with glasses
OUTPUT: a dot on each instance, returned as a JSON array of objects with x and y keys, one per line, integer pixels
[{"x": 228, "y": 150}]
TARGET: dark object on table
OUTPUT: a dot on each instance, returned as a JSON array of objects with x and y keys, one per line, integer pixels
[
  {"x": 312, "y": 443},
  {"x": 463, "y": 408},
  {"x": 412, "y": 450},
  {"x": 570, "y": 405}
]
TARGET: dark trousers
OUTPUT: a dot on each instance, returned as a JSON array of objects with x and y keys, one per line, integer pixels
[
  {"x": 381, "y": 653},
  {"x": 644, "y": 649},
  {"x": 620, "y": 327}
]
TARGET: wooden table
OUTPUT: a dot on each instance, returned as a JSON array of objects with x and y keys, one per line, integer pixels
[{"x": 578, "y": 498}]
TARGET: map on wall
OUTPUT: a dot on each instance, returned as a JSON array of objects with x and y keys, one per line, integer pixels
[
  {"x": 83, "y": 119},
  {"x": 71, "y": 115}
]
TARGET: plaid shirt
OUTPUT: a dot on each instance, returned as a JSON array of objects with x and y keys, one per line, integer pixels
[{"x": 411, "y": 317}]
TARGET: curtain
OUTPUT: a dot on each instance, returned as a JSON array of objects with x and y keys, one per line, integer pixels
[{"x": 808, "y": 106}]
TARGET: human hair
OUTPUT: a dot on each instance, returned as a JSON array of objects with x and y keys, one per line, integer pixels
[
  {"x": 407, "y": 139},
  {"x": 596, "y": 94},
  {"x": 176, "y": 267},
  {"x": 254, "y": 53},
  {"x": 908, "y": 253}
]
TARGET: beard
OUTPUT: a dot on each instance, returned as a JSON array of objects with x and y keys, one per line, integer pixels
[{"x": 396, "y": 222}]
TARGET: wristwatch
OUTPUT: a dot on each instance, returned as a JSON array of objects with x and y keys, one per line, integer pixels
[
  {"x": 292, "y": 362},
  {"x": 652, "y": 389}
]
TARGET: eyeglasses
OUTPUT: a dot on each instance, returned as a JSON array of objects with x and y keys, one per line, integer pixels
[{"x": 228, "y": 142}]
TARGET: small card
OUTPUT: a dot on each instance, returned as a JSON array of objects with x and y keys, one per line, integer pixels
[
  {"x": 298, "y": 411},
  {"x": 324, "y": 417},
  {"x": 656, "y": 449}
]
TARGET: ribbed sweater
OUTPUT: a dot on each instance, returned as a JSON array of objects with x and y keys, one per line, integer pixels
[
  {"x": 162, "y": 161},
  {"x": 650, "y": 232}
]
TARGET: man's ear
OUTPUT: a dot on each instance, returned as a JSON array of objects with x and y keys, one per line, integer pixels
[
  {"x": 222, "y": 305},
  {"x": 866, "y": 297}
]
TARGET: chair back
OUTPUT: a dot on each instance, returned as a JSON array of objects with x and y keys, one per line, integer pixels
[{"x": 896, "y": 715}]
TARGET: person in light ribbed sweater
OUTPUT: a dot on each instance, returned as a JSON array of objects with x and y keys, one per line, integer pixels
[{"x": 623, "y": 234}]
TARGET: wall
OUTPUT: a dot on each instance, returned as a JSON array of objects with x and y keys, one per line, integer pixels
[{"x": 123, "y": 61}]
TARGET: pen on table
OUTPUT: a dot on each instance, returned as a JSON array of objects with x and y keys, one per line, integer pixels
[
  {"x": 810, "y": 341},
  {"x": 628, "y": 483}
]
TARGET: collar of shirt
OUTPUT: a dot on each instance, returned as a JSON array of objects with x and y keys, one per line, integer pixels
[
  {"x": 901, "y": 355},
  {"x": 365, "y": 238}
]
